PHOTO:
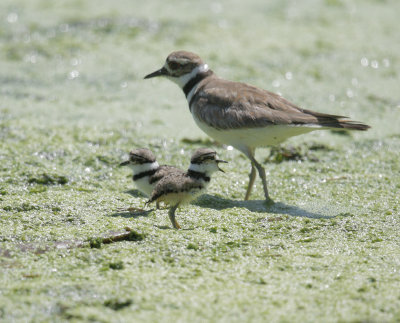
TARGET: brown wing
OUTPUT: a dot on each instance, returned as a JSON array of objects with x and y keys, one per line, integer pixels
[
  {"x": 224, "y": 104},
  {"x": 173, "y": 183},
  {"x": 163, "y": 171}
]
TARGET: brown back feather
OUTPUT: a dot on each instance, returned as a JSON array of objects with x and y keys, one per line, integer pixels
[
  {"x": 224, "y": 104},
  {"x": 172, "y": 183}
]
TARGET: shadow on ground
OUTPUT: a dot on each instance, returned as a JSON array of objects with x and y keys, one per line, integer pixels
[
  {"x": 219, "y": 203},
  {"x": 135, "y": 193},
  {"x": 131, "y": 213},
  {"x": 317, "y": 211}
]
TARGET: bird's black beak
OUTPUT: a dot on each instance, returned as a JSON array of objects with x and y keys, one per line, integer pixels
[
  {"x": 124, "y": 163},
  {"x": 162, "y": 71},
  {"x": 221, "y": 161}
]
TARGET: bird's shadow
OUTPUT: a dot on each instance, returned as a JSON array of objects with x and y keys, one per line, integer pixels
[
  {"x": 128, "y": 214},
  {"x": 135, "y": 193},
  {"x": 166, "y": 227},
  {"x": 219, "y": 203},
  {"x": 261, "y": 206}
]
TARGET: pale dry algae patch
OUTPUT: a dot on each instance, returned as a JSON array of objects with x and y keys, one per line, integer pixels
[{"x": 73, "y": 103}]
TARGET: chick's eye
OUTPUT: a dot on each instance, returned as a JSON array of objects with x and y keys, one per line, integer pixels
[{"x": 174, "y": 65}]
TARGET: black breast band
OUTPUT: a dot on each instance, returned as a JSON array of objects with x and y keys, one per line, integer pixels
[
  {"x": 192, "y": 82},
  {"x": 198, "y": 175},
  {"x": 144, "y": 174}
]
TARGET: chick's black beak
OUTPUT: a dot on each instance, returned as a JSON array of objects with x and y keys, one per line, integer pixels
[
  {"x": 124, "y": 163},
  {"x": 221, "y": 161},
  {"x": 162, "y": 71}
]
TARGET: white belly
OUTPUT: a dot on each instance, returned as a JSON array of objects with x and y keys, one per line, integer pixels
[
  {"x": 143, "y": 185},
  {"x": 254, "y": 137}
]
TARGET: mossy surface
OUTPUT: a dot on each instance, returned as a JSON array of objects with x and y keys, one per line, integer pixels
[{"x": 73, "y": 103}]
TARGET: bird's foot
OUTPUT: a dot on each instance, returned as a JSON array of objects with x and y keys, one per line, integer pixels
[
  {"x": 269, "y": 201},
  {"x": 176, "y": 225}
]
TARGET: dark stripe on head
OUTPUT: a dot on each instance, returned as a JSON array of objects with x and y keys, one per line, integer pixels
[
  {"x": 202, "y": 159},
  {"x": 203, "y": 154},
  {"x": 142, "y": 156},
  {"x": 140, "y": 160}
]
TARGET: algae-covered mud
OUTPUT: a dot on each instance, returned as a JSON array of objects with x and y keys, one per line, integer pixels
[{"x": 73, "y": 102}]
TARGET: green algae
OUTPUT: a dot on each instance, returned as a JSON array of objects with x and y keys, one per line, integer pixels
[
  {"x": 48, "y": 179},
  {"x": 73, "y": 103},
  {"x": 117, "y": 304}
]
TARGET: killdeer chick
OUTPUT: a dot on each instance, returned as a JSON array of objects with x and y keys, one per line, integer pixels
[
  {"x": 146, "y": 170},
  {"x": 180, "y": 188},
  {"x": 242, "y": 115}
]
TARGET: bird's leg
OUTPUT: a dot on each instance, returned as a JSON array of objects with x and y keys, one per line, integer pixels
[
  {"x": 261, "y": 171},
  {"x": 252, "y": 177},
  {"x": 171, "y": 214}
]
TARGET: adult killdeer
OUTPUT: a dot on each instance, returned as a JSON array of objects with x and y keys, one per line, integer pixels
[
  {"x": 146, "y": 170},
  {"x": 179, "y": 188},
  {"x": 242, "y": 115}
]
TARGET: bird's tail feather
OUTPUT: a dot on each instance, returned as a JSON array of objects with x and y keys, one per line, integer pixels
[{"x": 345, "y": 124}]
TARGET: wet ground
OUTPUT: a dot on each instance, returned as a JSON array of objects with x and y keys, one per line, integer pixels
[{"x": 73, "y": 102}]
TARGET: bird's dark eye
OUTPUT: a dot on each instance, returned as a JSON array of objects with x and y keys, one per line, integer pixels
[{"x": 173, "y": 65}]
